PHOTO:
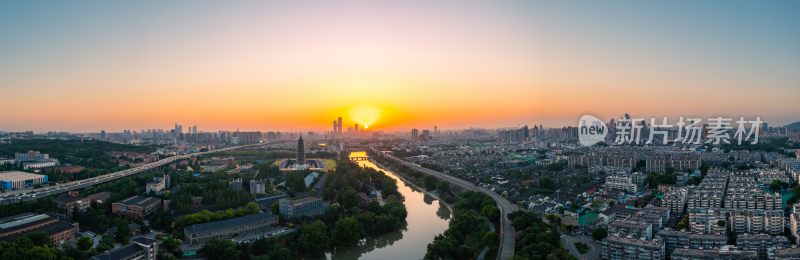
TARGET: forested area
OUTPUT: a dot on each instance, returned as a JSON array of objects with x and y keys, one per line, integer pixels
[
  {"x": 348, "y": 221},
  {"x": 89, "y": 153},
  {"x": 535, "y": 238},
  {"x": 468, "y": 232}
]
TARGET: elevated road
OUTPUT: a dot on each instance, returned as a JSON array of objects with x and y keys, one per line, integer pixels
[
  {"x": 507, "y": 239},
  {"x": 33, "y": 194}
]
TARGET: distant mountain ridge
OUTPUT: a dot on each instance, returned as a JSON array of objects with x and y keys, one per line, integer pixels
[{"x": 795, "y": 126}]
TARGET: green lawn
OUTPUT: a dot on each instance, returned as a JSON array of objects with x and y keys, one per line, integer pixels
[
  {"x": 587, "y": 218},
  {"x": 582, "y": 248}
]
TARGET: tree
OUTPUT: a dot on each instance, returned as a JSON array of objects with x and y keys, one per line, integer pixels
[
  {"x": 39, "y": 238},
  {"x": 654, "y": 179},
  {"x": 106, "y": 243},
  {"x": 732, "y": 238},
  {"x": 490, "y": 238},
  {"x": 491, "y": 212},
  {"x": 694, "y": 180},
  {"x": 553, "y": 218},
  {"x": 535, "y": 238},
  {"x": 443, "y": 187},
  {"x": 445, "y": 247},
  {"x": 216, "y": 249},
  {"x": 778, "y": 185},
  {"x": 683, "y": 222},
  {"x": 347, "y": 231},
  {"x": 599, "y": 233},
  {"x": 557, "y": 166},
  {"x": 296, "y": 181},
  {"x": 171, "y": 246},
  {"x": 85, "y": 243},
  {"x": 349, "y": 199},
  {"x": 123, "y": 232},
  {"x": 313, "y": 238},
  {"x": 547, "y": 183},
  {"x": 704, "y": 168},
  {"x": 429, "y": 182}
]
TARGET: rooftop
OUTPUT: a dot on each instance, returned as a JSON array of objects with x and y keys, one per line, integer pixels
[
  {"x": 787, "y": 252},
  {"x": 652, "y": 244},
  {"x": 18, "y": 176},
  {"x": 64, "y": 199},
  {"x": 620, "y": 210},
  {"x": 56, "y": 228},
  {"x": 302, "y": 199},
  {"x": 229, "y": 223},
  {"x": 695, "y": 236},
  {"x": 715, "y": 253},
  {"x": 120, "y": 253},
  {"x": 23, "y": 219},
  {"x": 139, "y": 200},
  {"x": 100, "y": 195},
  {"x": 629, "y": 224},
  {"x": 144, "y": 240}
]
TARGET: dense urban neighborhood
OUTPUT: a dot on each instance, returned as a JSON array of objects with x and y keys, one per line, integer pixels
[{"x": 228, "y": 196}]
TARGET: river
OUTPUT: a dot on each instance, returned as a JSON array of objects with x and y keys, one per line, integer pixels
[{"x": 427, "y": 217}]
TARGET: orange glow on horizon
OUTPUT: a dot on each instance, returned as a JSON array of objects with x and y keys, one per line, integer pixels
[{"x": 274, "y": 66}]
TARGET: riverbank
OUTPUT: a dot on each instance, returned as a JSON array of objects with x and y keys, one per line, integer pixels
[
  {"x": 492, "y": 225},
  {"x": 407, "y": 180},
  {"x": 427, "y": 217},
  {"x": 507, "y": 234}
]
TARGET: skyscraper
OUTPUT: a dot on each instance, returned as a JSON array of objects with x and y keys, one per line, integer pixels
[
  {"x": 339, "y": 125},
  {"x": 301, "y": 151},
  {"x": 335, "y": 128},
  {"x": 426, "y": 135},
  {"x": 414, "y": 134},
  {"x": 356, "y": 128}
]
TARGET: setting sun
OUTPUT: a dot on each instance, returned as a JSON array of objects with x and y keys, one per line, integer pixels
[{"x": 365, "y": 115}]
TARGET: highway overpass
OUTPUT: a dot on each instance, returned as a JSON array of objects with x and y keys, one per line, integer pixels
[{"x": 33, "y": 194}]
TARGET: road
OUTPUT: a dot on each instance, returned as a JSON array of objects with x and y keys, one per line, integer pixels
[
  {"x": 569, "y": 243},
  {"x": 33, "y": 194},
  {"x": 507, "y": 240}
]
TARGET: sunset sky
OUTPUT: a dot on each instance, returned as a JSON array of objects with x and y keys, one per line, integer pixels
[{"x": 296, "y": 65}]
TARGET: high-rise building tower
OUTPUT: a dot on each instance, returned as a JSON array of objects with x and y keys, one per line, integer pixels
[
  {"x": 414, "y": 134},
  {"x": 339, "y": 124},
  {"x": 301, "y": 151},
  {"x": 426, "y": 135},
  {"x": 178, "y": 129},
  {"x": 356, "y": 128},
  {"x": 335, "y": 128}
]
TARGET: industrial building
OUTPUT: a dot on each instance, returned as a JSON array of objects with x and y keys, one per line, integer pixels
[
  {"x": 140, "y": 248},
  {"x": 24, "y": 224},
  {"x": 136, "y": 206},
  {"x": 308, "y": 205},
  {"x": 236, "y": 228},
  {"x": 12, "y": 180}
]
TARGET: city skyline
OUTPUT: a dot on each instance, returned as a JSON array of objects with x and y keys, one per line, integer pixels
[
  {"x": 351, "y": 129},
  {"x": 270, "y": 66}
]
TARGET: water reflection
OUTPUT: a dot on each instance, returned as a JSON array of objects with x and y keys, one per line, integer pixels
[
  {"x": 427, "y": 217},
  {"x": 428, "y": 199},
  {"x": 443, "y": 212}
]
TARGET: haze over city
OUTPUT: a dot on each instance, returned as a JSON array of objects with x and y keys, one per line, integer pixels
[
  {"x": 87, "y": 66},
  {"x": 448, "y": 129}
]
